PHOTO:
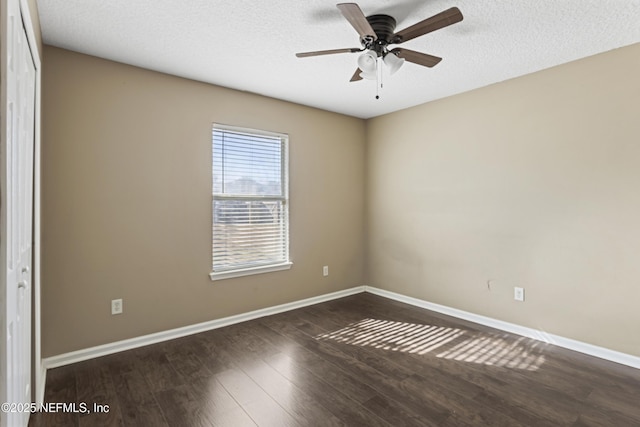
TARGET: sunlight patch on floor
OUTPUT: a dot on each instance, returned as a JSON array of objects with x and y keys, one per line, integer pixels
[
  {"x": 496, "y": 351},
  {"x": 452, "y": 343}
]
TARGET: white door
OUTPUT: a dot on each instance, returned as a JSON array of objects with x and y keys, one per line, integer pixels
[{"x": 17, "y": 201}]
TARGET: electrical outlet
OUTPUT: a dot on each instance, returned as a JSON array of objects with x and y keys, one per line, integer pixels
[
  {"x": 325, "y": 270},
  {"x": 518, "y": 294},
  {"x": 116, "y": 306}
]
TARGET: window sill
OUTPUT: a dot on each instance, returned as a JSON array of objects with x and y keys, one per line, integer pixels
[{"x": 249, "y": 271}]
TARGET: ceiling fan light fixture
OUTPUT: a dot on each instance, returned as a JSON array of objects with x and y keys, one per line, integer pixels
[
  {"x": 368, "y": 63},
  {"x": 368, "y": 75},
  {"x": 378, "y": 31},
  {"x": 393, "y": 62}
]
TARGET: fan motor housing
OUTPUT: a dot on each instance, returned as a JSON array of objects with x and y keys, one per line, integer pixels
[{"x": 384, "y": 26}]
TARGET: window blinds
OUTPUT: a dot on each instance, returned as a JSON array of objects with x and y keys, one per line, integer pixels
[{"x": 250, "y": 209}]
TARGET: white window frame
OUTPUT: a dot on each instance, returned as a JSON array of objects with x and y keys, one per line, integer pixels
[{"x": 264, "y": 268}]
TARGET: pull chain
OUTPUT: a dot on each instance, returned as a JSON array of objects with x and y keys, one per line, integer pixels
[{"x": 378, "y": 78}]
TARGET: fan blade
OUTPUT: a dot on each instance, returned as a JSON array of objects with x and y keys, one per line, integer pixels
[
  {"x": 416, "y": 57},
  {"x": 356, "y": 76},
  {"x": 356, "y": 18},
  {"x": 441, "y": 20},
  {"x": 327, "y": 52}
]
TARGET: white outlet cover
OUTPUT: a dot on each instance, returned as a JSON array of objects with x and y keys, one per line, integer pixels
[
  {"x": 116, "y": 306},
  {"x": 518, "y": 294}
]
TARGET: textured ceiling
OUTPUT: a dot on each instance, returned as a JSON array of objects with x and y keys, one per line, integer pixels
[{"x": 251, "y": 45}]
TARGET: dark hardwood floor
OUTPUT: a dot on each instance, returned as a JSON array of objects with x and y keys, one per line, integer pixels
[{"x": 358, "y": 361}]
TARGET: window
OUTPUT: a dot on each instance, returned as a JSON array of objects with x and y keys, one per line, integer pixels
[{"x": 250, "y": 202}]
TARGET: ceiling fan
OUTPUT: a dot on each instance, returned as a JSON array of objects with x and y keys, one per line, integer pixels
[{"x": 377, "y": 33}]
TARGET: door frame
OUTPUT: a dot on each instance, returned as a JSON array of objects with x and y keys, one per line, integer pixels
[{"x": 38, "y": 371}]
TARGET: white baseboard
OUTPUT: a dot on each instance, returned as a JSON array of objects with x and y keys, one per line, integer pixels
[
  {"x": 115, "y": 347},
  {"x": 582, "y": 347}
]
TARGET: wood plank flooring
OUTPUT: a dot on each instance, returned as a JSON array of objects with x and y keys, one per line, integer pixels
[{"x": 357, "y": 361}]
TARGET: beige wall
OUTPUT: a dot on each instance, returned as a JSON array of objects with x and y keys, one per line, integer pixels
[
  {"x": 533, "y": 182},
  {"x": 127, "y": 201}
]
